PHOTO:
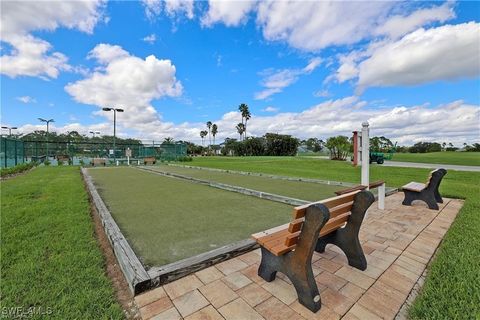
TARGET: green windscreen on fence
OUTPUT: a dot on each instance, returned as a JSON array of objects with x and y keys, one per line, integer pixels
[
  {"x": 11, "y": 152},
  {"x": 14, "y": 151}
]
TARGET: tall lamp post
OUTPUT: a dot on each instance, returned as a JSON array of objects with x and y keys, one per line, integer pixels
[
  {"x": 115, "y": 110},
  {"x": 48, "y": 122},
  {"x": 9, "y": 130}
]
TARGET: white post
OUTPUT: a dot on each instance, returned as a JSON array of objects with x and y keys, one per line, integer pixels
[
  {"x": 381, "y": 196},
  {"x": 365, "y": 181}
]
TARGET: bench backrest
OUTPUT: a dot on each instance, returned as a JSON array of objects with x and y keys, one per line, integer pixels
[
  {"x": 339, "y": 207},
  {"x": 98, "y": 161},
  {"x": 435, "y": 177}
]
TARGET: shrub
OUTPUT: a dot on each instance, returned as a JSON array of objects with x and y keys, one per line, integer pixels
[
  {"x": 184, "y": 159},
  {"x": 339, "y": 147},
  {"x": 17, "y": 169}
]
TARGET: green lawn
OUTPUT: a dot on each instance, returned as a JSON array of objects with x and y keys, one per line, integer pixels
[
  {"x": 50, "y": 260},
  {"x": 452, "y": 288},
  {"x": 448, "y": 157},
  {"x": 167, "y": 219},
  {"x": 309, "y": 191}
]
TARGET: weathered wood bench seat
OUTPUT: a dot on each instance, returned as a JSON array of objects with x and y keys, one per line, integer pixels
[
  {"x": 289, "y": 248},
  {"x": 427, "y": 192},
  {"x": 149, "y": 160},
  {"x": 99, "y": 161}
]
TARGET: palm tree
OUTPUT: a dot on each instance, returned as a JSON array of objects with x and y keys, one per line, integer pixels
[
  {"x": 243, "y": 108},
  {"x": 240, "y": 129},
  {"x": 203, "y": 134},
  {"x": 214, "y": 132},
  {"x": 209, "y": 126},
  {"x": 168, "y": 140}
]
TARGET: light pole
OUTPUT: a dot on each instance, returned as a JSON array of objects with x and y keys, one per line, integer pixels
[
  {"x": 94, "y": 133},
  {"x": 9, "y": 130},
  {"x": 115, "y": 110},
  {"x": 48, "y": 122}
]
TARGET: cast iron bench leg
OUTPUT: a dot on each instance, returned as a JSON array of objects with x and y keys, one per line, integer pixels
[
  {"x": 425, "y": 195},
  {"x": 347, "y": 238},
  {"x": 297, "y": 264}
]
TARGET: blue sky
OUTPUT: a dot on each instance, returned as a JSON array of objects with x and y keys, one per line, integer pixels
[{"x": 311, "y": 69}]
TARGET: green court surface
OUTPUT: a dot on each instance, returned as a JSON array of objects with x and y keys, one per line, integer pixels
[
  {"x": 167, "y": 219},
  {"x": 309, "y": 191}
]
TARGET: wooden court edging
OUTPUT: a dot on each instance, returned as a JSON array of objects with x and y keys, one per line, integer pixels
[
  {"x": 176, "y": 270},
  {"x": 137, "y": 277}
]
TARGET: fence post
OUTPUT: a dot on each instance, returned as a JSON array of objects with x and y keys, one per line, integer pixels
[
  {"x": 16, "y": 160},
  {"x": 381, "y": 196},
  {"x": 5, "y": 151}
]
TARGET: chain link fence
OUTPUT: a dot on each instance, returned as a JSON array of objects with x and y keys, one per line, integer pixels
[{"x": 14, "y": 152}]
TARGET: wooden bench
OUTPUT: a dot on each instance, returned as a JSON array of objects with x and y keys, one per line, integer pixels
[
  {"x": 99, "y": 161},
  {"x": 63, "y": 158},
  {"x": 427, "y": 192},
  {"x": 372, "y": 185},
  {"x": 149, "y": 160},
  {"x": 289, "y": 248},
  {"x": 380, "y": 184}
]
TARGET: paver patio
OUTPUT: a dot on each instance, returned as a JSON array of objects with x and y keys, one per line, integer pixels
[{"x": 398, "y": 243}]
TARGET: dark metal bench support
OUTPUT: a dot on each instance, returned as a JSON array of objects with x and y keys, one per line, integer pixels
[
  {"x": 430, "y": 195},
  {"x": 347, "y": 238},
  {"x": 297, "y": 264}
]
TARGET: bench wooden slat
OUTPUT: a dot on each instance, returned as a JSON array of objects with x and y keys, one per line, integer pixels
[
  {"x": 335, "y": 223},
  {"x": 292, "y": 239},
  {"x": 264, "y": 233},
  {"x": 338, "y": 210},
  {"x": 414, "y": 186},
  {"x": 332, "y": 224},
  {"x": 279, "y": 234},
  {"x": 299, "y": 212},
  {"x": 296, "y": 225},
  {"x": 281, "y": 249}
]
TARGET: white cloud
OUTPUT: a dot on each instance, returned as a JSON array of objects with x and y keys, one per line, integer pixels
[
  {"x": 448, "y": 52},
  {"x": 26, "y": 99},
  {"x": 230, "y": 13},
  {"x": 321, "y": 93},
  {"x": 152, "y": 8},
  {"x": 150, "y": 38},
  {"x": 276, "y": 80},
  {"x": 129, "y": 82},
  {"x": 314, "y": 25},
  {"x": 105, "y": 53},
  {"x": 31, "y": 56},
  {"x": 455, "y": 122},
  {"x": 172, "y": 8},
  {"x": 399, "y": 25},
  {"x": 270, "y": 109}
]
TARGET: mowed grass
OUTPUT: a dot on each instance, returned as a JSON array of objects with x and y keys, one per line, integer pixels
[
  {"x": 51, "y": 264},
  {"x": 167, "y": 219},
  {"x": 452, "y": 287},
  {"x": 447, "y": 157},
  {"x": 302, "y": 190}
]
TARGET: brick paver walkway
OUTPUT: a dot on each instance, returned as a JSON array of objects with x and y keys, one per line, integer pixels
[{"x": 398, "y": 243}]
